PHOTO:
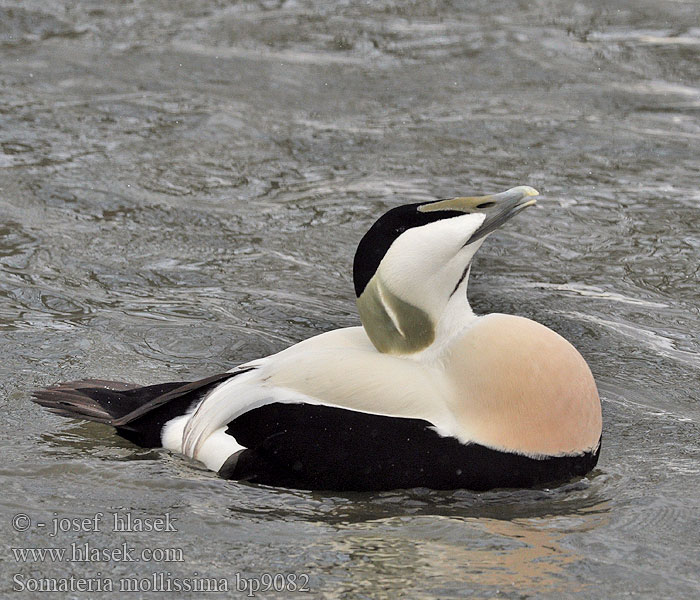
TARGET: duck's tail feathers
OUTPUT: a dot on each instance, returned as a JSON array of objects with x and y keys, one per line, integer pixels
[{"x": 138, "y": 412}]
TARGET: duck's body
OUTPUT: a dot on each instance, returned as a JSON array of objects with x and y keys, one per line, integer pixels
[{"x": 425, "y": 394}]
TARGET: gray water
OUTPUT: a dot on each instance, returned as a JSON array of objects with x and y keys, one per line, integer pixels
[{"x": 182, "y": 186}]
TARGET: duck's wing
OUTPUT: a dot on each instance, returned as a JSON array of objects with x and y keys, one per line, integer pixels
[{"x": 345, "y": 378}]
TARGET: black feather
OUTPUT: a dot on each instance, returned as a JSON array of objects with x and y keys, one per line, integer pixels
[{"x": 137, "y": 412}]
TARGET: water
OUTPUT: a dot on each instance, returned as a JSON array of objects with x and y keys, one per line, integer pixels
[{"x": 182, "y": 187}]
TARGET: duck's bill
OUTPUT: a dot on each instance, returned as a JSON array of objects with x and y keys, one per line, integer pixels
[{"x": 499, "y": 208}]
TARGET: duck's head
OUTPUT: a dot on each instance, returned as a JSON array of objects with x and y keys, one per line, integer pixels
[{"x": 416, "y": 257}]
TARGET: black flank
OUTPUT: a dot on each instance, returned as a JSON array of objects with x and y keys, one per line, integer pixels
[{"x": 307, "y": 446}]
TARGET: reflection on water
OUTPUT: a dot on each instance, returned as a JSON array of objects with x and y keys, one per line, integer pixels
[
  {"x": 182, "y": 188},
  {"x": 500, "y": 554},
  {"x": 478, "y": 556}
]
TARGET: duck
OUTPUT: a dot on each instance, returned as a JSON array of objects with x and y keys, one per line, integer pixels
[{"x": 424, "y": 393}]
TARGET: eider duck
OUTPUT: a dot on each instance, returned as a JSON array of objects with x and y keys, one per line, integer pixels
[{"x": 424, "y": 394}]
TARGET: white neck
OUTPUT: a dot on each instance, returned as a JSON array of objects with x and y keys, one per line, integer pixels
[{"x": 456, "y": 316}]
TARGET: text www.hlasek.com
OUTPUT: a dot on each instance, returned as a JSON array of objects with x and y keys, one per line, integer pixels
[{"x": 85, "y": 552}]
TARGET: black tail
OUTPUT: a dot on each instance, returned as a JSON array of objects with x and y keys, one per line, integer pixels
[{"x": 137, "y": 412}]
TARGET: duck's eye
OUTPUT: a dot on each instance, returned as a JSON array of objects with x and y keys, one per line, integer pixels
[{"x": 486, "y": 205}]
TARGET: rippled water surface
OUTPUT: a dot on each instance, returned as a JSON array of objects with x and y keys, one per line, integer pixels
[{"x": 182, "y": 185}]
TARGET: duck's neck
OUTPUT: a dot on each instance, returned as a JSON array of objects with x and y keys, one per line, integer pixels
[
  {"x": 396, "y": 327},
  {"x": 456, "y": 316},
  {"x": 393, "y": 325}
]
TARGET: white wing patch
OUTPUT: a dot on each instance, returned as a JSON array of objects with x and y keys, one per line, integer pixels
[
  {"x": 218, "y": 447},
  {"x": 213, "y": 452}
]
